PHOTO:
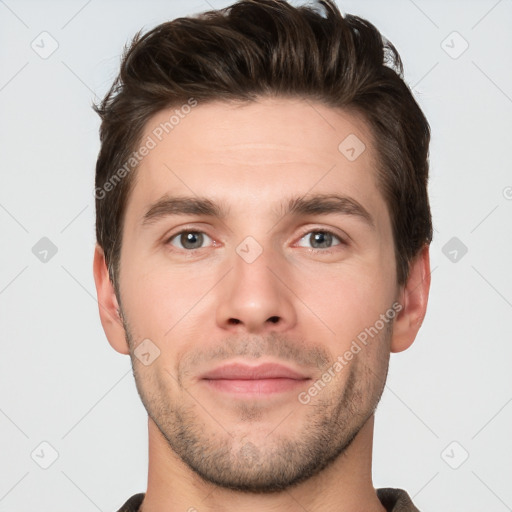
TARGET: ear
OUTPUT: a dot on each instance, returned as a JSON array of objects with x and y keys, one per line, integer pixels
[
  {"x": 108, "y": 305},
  {"x": 413, "y": 297}
]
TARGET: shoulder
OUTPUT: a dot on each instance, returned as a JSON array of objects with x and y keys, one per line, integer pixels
[
  {"x": 133, "y": 503},
  {"x": 396, "y": 500}
]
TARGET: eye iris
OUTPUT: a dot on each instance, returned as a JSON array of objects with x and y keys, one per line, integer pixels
[
  {"x": 191, "y": 240},
  {"x": 321, "y": 239}
]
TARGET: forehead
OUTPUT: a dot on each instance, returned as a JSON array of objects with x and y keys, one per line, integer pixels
[
  {"x": 255, "y": 153},
  {"x": 298, "y": 125}
]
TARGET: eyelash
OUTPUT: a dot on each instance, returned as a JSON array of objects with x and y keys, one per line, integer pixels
[
  {"x": 328, "y": 250},
  {"x": 309, "y": 232}
]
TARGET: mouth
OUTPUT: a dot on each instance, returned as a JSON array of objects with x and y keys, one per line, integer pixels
[{"x": 262, "y": 380}]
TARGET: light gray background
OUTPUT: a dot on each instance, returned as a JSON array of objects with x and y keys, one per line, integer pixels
[{"x": 61, "y": 383}]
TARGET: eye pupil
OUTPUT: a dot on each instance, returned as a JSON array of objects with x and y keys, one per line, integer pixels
[
  {"x": 321, "y": 238},
  {"x": 191, "y": 240}
]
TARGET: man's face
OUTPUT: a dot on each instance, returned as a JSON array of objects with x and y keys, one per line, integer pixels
[{"x": 259, "y": 285}]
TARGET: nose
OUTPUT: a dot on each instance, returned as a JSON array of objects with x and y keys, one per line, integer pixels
[{"x": 255, "y": 297}]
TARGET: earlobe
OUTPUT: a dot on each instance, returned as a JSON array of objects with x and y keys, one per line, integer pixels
[
  {"x": 110, "y": 313},
  {"x": 413, "y": 298}
]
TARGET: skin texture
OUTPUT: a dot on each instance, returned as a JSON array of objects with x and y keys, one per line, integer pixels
[{"x": 300, "y": 303}]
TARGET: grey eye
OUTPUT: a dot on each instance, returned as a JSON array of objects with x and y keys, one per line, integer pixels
[
  {"x": 320, "y": 239},
  {"x": 189, "y": 240}
]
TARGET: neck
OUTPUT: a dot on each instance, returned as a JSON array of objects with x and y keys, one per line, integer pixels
[{"x": 344, "y": 485}]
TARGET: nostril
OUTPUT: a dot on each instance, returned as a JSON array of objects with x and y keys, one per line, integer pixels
[
  {"x": 274, "y": 319},
  {"x": 234, "y": 321}
]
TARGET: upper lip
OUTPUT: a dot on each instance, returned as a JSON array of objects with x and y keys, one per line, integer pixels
[{"x": 238, "y": 371}]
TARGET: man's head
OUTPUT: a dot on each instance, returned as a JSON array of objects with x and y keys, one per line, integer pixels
[
  {"x": 261, "y": 198},
  {"x": 258, "y": 49}
]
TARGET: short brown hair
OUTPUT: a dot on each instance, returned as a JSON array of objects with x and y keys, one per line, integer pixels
[{"x": 257, "y": 48}]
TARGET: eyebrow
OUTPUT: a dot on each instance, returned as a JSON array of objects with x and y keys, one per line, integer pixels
[
  {"x": 323, "y": 204},
  {"x": 318, "y": 204},
  {"x": 169, "y": 205}
]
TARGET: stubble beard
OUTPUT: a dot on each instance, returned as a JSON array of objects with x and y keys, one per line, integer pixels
[{"x": 234, "y": 460}]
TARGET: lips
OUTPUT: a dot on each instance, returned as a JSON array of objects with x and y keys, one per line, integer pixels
[
  {"x": 237, "y": 371},
  {"x": 243, "y": 381}
]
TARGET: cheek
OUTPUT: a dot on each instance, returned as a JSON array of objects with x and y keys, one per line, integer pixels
[
  {"x": 154, "y": 300},
  {"x": 346, "y": 300}
]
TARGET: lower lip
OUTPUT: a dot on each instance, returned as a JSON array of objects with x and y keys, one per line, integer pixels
[{"x": 255, "y": 386}]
